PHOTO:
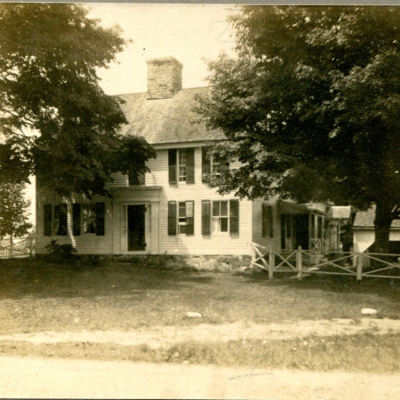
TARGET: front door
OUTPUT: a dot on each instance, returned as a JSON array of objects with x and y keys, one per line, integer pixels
[{"x": 136, "y": 228}]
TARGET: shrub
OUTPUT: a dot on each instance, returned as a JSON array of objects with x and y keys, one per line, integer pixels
[{"x": 60, "y": 252}]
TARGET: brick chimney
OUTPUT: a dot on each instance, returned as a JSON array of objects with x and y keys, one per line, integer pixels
[{"x": 164, "y": 77}]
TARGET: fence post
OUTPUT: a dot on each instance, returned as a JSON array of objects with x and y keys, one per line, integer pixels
[
  {"x": 299, "y": 263},
  {"x": 271, "y": 264},
  {"x": 359, "y": 266}
]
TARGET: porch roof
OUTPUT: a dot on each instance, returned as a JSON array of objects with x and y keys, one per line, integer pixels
[{"x": 286, "y": 207}]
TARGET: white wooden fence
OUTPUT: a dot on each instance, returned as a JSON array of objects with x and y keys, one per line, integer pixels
[
  {"x": 22, "y": 248},
  {"x": 304, "y": 262}
]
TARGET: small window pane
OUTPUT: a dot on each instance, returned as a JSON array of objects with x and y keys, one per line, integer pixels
[
  {"x": 224, "y": 224},
  {"x": 216, "y": 208},
  {"x": 224, "y": 208}
]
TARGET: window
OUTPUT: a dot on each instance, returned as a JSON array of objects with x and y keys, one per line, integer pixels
[
  {"x": 212, "y": 166},
  {"x": 181, "y": 218},
  {"x": 181, "y": 165},
  {"x": 220, "y": 216},
  {"x": 90, "y": 216},
  {"x": 267, "y": 221}
]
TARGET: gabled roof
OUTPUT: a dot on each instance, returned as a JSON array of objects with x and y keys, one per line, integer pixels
[{"x": 164, "y": 121}]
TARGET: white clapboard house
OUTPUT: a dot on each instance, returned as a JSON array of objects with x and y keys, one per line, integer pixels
[{"x": 171, "y": 209}]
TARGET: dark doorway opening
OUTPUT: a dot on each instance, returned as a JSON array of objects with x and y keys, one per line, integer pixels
[{"x": 136, "y": 228}]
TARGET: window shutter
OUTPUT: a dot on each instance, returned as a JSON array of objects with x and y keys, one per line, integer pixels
[
  {"x": 189, "y": 218},
  {"x": 234, "y": 216},
  {"x": 100, "y": 217},
  {"x": 270, "y": 222},
  {"x": 206, "y": 217},
  {"x": 172, "y": 166},
  {"x": 47, "y": 219},
  {"x": 172, "y": 218},
  {"x": 264, "y": 220},
  {"x": 76, "y": 219},
  {"x": 205, "y": 165},
  {"x": 189, "y": 165}
]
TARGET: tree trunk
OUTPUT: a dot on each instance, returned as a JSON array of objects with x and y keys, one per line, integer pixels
[
  {"x": 383, "y": 221},
  {"x": 70, "y": 229},
  {"x": 11, "y": 247}
]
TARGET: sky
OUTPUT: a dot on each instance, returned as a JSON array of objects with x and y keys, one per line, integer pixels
[{"x": 192, "y": 33}]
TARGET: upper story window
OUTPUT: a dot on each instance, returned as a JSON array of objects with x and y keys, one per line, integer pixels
[
  {"x": 181, "y": 165},
  {"x": 212, "y": 166}
]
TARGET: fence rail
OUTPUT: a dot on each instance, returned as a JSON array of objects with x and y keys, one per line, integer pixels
[
  {"x": 23, "y": 248},
  {"x": 305, "y": 262}
]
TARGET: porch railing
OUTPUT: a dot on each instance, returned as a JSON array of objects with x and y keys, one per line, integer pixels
[{"x": 305, "y": 262}]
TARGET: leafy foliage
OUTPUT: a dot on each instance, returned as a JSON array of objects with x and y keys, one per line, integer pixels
[
  {"x": 57, "y": 121},
  {"x": 311, "y": 106},
  {"x": 60, "y": 252},
  {"x": 13, "y": 211}
]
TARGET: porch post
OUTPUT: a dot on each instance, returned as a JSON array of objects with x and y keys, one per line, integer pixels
[
  {"x": 299, "y": 263},
  {"x": 359, "y": 266},
  {"x": 271, "y": 264}
]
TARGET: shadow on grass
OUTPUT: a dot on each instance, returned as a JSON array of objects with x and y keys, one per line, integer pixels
[
  {"x": 21, "y": 278},
  {"x": 387, "y": 287}
]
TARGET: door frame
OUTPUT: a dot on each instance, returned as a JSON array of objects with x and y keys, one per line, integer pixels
[{"x": 124, "y": 227}]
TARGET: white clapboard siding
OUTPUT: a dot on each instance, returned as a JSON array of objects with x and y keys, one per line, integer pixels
[{"x": 197, "y": 244}]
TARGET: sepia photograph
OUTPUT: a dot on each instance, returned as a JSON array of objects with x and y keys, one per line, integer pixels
[{"x": 199, "y": 201}]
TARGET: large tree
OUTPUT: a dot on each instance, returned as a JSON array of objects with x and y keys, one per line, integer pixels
[
  {"x": 311, "y": 106},
  {"x": 13, "y": 212},
  {"x": 57, "y": 122}
]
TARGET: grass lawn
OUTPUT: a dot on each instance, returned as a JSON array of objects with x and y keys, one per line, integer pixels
[{"x": 122, "y": 295}]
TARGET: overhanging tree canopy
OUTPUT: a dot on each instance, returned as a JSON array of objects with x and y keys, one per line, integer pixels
[
  {"x": 49, "y": 56},
  {"x": 311, "y": 106}
]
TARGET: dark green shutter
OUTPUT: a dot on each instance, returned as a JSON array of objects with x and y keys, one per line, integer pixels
[
  {"x": 206, "y": 217},
  {"x": 172, "y": 218},
  {"x": 205, "y": 165},
  {"x": 189, "y": 165},
  {"x": 189, "y": 219},
  {"x": 270, "y": 222},
  {"x": 172, "y": 166},
  {"x": 100, "y": 219},
  {"x": 234, "y": 216},
  {"x": 76, "y": 219},
  {"x": 47, "y": 220}
]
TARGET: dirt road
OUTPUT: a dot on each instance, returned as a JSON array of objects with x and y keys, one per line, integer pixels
[{"x": 36, "y": 377}]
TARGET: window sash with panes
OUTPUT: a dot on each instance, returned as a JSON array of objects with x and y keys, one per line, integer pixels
[
  {"x": 181, "y": 165},
  {"x": 181, "y": 218},
  {"x": 89, "y": 218},
  {"x": 220, "y": 217},
  {"x": 212, "y": 166}
]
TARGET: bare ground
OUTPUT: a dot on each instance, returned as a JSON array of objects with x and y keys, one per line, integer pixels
[{"x": 161, "y": 336}]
